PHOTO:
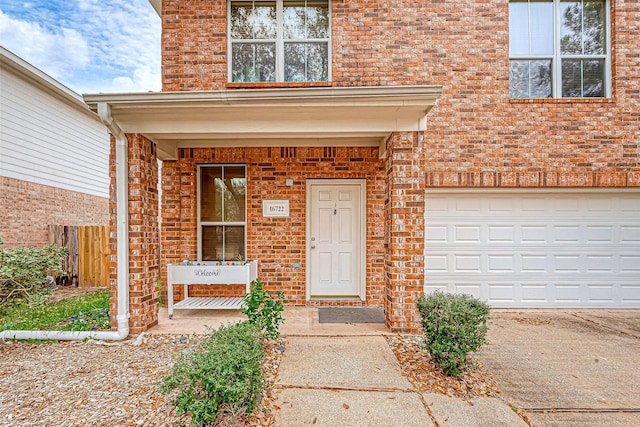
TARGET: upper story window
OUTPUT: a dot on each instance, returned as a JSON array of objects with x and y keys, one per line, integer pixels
[
  {"x": 559, "y": 49},
  {"x": 279, "y": 41}
]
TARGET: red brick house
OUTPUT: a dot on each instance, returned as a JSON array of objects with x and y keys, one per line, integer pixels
[{"x": 490, "y": 148}]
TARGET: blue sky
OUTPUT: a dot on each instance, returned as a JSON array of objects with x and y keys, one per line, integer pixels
[{"x": 91, "y": 46}]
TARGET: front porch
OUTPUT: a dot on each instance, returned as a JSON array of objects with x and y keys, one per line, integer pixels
[
  {"x": 281, "y": 141},
  {"x": 299, "y": 321}
]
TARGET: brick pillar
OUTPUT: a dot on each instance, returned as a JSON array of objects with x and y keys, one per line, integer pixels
[
  {"x": 144, "y": 242},
  {"x": 404, "y": 231}
]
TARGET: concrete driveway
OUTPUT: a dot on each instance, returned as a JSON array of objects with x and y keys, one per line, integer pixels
[{"x": 567, "y": 368}]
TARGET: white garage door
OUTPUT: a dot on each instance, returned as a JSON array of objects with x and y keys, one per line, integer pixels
[{"x": 535, "y": 249}]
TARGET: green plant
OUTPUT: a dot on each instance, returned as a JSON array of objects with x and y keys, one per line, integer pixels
[
  {"x": 226, "y": 372},
  {"x": 23, "y": 270},
  {"x": 264, "y": 310},
  {"x": 454, "y": 326},
  {"x": 38, "y": 299}
]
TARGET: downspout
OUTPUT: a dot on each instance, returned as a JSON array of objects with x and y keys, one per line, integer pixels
[{"x": 122, "y": 244}]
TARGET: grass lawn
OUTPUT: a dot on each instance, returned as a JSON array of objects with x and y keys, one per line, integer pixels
[{"x": 79, "y": 313}]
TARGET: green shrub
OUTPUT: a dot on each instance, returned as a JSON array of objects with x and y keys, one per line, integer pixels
[
  {"x": 263, "y": 310},
  {"x": 23, "y": 270},
  {"x": 225, "y": 372},
  {"x": 454, "y": 326}
]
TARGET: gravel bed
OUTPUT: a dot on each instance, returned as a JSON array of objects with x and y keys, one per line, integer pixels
[{"x": 97, "y": 384}]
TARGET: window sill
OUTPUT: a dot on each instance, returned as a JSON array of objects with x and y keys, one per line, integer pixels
[
  {"x": 561, "y": 100},
  {"x": 275, "y": 85}
]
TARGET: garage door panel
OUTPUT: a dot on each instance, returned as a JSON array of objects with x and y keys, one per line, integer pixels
[
  {"x": 607, "y": 205},
  {"x": 630, "y": 234},
  {"x": 630, "y": 264},
  {"x": 438, "y": 205},
  {"x": 468, "y": 205},
  {"x": 535, "y": 263},
  {"x": 502, "y": 263},
  {"x": 600, "y": 293},
  {"x": 566, "y": 234},
  {"x": 567, "y": 263},
  {"x": 630, "y": 294},
  {"x": 501, "y": 205},
  {"x": 475, "y": 290},
  {"x": 534, "y": 234},
  {"x": 502, "y": 293},
  {"x": 501, "y": 233},
  {"x": 567, "y": 293},
  {"x": 536, "y": 250},
  {"x": 601, "y": 264},
  {"x": 566, "y": 205},
  {"x": 467, "y": 233},
  {"x": 467, "y": 263},
  {"x": 535, "y": 293},
  {"x": 599, "y": 234},
  {"x": 436, "y": 234},
  {"x": 437, "y": 263},
  {"x": 629, "y": 205}
]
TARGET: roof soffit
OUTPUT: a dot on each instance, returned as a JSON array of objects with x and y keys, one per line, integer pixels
[{"x": 275, "y": 116}]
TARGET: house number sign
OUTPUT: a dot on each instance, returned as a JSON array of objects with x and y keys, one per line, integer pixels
[{"x": 275, "y": 209}]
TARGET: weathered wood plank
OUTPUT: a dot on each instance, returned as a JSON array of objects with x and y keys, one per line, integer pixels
[{"x": 88, "y": 261}]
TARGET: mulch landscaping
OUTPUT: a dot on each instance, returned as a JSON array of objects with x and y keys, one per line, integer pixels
[{"x": 425, "y": 376}]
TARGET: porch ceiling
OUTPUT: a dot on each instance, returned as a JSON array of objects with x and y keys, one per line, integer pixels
[{"x": 270, "y": 117}]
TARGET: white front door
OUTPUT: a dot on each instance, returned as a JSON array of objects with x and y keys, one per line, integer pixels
[{"x": 335, "y": 238}]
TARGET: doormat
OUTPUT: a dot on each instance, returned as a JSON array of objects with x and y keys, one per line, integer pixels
[{"x": 351, "y": 315}]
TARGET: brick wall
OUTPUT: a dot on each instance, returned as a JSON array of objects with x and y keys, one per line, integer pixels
[
  {"x": 277, "y": 242},
  {"x": 144, "y": 241},
  {"x": 404, "y": 231},
  {"x": 27, "y": 209},
  {"x": 476, "y": 135}
]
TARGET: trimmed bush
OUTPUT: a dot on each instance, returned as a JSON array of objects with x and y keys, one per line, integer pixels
[
  {"x": 226, "y": 372},
  {"x": 454, "y": 326}
]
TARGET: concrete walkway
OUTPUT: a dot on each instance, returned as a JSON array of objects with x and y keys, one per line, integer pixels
[
  {"x": 346, "y": 375},
  {"x": 357, "y": 381},
  {"x": 345, "y": 381}
]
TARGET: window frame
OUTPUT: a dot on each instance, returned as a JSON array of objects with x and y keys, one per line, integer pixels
[
  {"x": 279, "y": 41},
  {"x": 201, "y": 224},
  {"x": 556, "y": 58}
]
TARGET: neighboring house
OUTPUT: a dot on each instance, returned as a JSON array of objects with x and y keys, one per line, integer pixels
[
  {"x": 490, "y": 148},
  {"x": 54, "y": 156}
]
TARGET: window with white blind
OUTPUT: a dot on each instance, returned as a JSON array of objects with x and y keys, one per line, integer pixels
[
  {"x": 559, "y": 49},
  {"x": 222, "y": 210},
  {"x": 279, "y": 41}
]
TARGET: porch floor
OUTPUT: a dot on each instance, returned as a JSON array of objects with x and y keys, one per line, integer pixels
[{"x": 301, "y": 321}]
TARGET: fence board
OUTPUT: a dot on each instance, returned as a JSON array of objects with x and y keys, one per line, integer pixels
[{"x": 88, "y": 260}]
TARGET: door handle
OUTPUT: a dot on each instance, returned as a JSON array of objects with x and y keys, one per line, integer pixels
[{"x": 313, "y": 246}]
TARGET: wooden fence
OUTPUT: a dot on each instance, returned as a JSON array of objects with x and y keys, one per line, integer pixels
[{"x": 88, "y": 261}]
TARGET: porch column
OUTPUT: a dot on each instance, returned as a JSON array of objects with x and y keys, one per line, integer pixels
[
  {"x": 404, "y": 231},
  {"x": 144, "y": 245}
]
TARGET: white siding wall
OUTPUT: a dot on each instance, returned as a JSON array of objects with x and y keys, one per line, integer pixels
[{"x": 49, "y": 141}]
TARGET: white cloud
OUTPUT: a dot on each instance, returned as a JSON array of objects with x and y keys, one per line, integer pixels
[
  {"x": 57, "y": 53},
  {"x": 91, "y": 46}
]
